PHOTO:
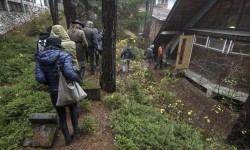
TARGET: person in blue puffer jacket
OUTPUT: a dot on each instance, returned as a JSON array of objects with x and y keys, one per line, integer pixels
[{"x": 47, "y": 73}]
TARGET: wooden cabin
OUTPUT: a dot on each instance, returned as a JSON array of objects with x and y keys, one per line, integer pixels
[{"x": 210, "y": 41}]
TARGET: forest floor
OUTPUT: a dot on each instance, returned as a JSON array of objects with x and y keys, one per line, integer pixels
[{"x": 194, "y": 99}]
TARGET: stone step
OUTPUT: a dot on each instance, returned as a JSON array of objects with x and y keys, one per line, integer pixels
[
  {"x": 93, "y": 93},
  {"x": 43, "y": 118}
]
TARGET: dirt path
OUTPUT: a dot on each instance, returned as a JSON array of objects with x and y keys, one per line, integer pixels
[{"x": 101, "y": 139}]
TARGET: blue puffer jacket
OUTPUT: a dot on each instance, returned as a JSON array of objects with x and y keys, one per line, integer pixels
[
  {"x": 127, "y": 53},
  {"x": 47, "y": 70}
]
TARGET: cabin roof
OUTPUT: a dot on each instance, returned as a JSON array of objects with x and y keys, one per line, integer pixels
[{"x": 181, "y": 13}]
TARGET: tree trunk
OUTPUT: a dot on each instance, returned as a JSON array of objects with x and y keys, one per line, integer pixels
[
  {"x": 240, "y": 135},
  {"x": 54, "y": 11},
  {"x": 69, "y": 11},
  {"x": 149, "y": 9},
  {"x": 108, "y": 69},
  {"x": 86, "y": 3}
]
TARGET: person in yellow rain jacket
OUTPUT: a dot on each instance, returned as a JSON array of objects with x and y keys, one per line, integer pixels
[{"x": 68, "y": 45}]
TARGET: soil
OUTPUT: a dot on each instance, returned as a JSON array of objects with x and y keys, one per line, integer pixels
[
  {"x": 101, "y": 139},
  {"x": 194, "y": 98}
]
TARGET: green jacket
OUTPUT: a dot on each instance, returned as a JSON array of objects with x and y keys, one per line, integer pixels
[
  {"x": 70, "y": 46},
  {"x": 79, "y": 38}
]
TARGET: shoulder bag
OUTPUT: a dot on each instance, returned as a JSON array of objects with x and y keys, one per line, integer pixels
[{"x": 68, "y": 92}]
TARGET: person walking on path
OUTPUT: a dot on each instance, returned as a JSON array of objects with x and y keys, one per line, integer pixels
[
  {"x": 149, "y": 55},
  {"x": 160, "y": 57},
  {"x": 68, "y": 45},
  {"x": 47, "y": 63},
  {"x": 92, "y": 45},
  {"x": 127, "y": 55},
  {"x": 98, "y": 51},
  {"x": 77, "y": 35}
]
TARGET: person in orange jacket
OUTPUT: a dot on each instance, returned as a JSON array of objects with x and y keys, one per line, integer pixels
[{"x": 160, "y": 56}]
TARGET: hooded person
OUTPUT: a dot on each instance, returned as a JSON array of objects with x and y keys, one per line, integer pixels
[
  {"x": 47, "y": 63},
  {"x": 77, "y": 35},
  {"x": 69, "y": 45}
]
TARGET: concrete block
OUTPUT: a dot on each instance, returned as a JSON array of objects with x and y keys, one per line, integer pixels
[
  {"x": 93, "y": 94},
  {"x": 43, "y": 118}
]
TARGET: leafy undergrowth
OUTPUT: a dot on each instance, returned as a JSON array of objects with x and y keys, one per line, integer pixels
[
  {"x": 146, "y": 116},
  {"x": 143, "y": 115},
  {"x": 20, "y": 94}
]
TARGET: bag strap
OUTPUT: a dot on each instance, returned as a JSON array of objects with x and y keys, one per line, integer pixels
[{"x": 58, "y": 63}]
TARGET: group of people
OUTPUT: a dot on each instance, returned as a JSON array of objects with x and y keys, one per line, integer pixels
[
  {"x": 69, "y": 51},
  {"x": 150, "y": 54},
  {"x": 155, "y": 54}
]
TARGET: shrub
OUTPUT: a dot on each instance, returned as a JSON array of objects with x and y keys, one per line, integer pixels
[
  {"x": 136, "y": 92},
  {"x": 115, "y": 101},
  {"x": 89, "y": 125},
  {"x": 143, "y": 128},
  {"x": 87, "y": 106}
]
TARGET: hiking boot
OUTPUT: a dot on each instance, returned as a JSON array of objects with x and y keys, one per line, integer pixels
[
  {"x": 75, "y": 135},
  {"x": 69, "y": 140}
]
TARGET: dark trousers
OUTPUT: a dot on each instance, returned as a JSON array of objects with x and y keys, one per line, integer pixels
[
  {"x": 61, "y": 111},
  {"x": 159, "y": 62},
  {"x": 91, "y": 54},
  {"x": 97, "y": 56}
]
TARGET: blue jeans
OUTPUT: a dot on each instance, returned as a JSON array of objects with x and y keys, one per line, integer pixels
[
  {"x": 126, "y": 61},
  {"x": 61, "y": 111}
]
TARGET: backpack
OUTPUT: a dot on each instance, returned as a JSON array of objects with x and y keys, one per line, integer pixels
[
  {"x": 128, "y": 53},
  {"x": 149, "y": 53},
  {"x": 41, "y": 44}
]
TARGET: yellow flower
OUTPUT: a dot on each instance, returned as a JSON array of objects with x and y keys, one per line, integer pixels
[
  {"x": 162, "y": 110},
  {"x": 190, "y": 112}
]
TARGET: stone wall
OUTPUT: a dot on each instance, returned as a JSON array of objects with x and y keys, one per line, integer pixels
[{"x": 9, "y": 20}]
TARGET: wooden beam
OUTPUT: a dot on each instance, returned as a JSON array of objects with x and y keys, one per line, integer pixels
[{"x": 6, "y": 5}]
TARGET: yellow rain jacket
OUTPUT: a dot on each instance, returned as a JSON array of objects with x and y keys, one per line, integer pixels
[{"x": 70, "y": 46}]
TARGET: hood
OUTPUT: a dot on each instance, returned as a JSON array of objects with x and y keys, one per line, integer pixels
[
  {"x": 44, "y": 35},
  {"x": 59, "y": 31},
  {"x": 47, "y": 57}
]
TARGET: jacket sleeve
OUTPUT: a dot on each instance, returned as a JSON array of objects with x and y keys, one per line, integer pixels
[
  {"x": 95, "y": 40},
  {"x": 68, "y": 69},
  {"x": 84, "y": 41},
  {"x": 122, "y": 54},
  {"x": 40, "y": 76}
]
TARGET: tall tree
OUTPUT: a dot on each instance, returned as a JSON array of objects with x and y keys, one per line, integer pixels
[
  {"x": 69, "y": 11},
  {"x": 86, "y": 3},
  {"x": 108, "y": 70},
  {"x": 54, "y": 11},
  {"x": 240, "y": 135}
]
